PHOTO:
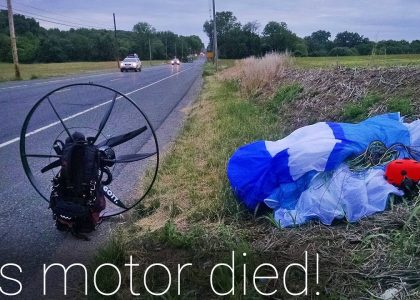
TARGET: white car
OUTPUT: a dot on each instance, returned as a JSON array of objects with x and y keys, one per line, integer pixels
[
  {"x": 175, "y": 61},
  {"x": 130, "y": 63}
]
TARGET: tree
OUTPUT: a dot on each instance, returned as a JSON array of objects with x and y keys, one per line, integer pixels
[
  {"x": 415, "y": 46},
  {"x": 27, "y": 45},
  {"x": 277, "y": 37},
  {"x": 225, "y": 21},
  {"x": 5, "y": 51},
  {"x": 393, "y": 47},
  {"x": 348, "y": 39},
  {"x": 366, "y": 48},
  {"x": 251, "y": 27},
  {"x": 319, "y": 43},
  {"x": 144, "y": 29}
]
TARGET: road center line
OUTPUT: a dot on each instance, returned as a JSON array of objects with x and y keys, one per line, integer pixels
[
  {"x": 89, "y": 109},
  {"x": 29, "y": 84}
]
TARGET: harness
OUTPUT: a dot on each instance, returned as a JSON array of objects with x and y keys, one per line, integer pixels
[{"x": 77, "y": 196}]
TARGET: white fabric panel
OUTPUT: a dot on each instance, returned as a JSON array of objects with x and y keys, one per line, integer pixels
[
  {"x": 343, "y": 194},
  {"x": 303, "y": 145},
  {"x": 414, "y": 129}
]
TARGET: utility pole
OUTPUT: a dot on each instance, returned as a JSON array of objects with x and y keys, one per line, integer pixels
[
  {"x": 166, "y": 43},
  {"x": 117, "y": 58},
  {"x": 182, "y": 49},
  {"x": 215, "y": 55},
  {"x": 13, "y": 39},
  {"x": 150, "y": 52}
]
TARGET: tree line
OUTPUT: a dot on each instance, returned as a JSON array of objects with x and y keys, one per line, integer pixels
[
  {"x": 238, "y": 41},
  {"x": 37, "y": 44}
]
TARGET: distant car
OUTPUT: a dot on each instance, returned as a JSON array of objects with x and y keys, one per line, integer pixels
[
  {"x": 187, "y": 59},
  {"x": 130, "y": 63},
  {"x": 133, "y": 55},
  {"x": 175, "y": 61}
]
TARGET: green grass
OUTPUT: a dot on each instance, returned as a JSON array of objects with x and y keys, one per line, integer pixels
[
  {"x": 284, "y": 95},
  {"x": 37, "y": 71},
  {"x": 356, "y": 112},
  {"x": 402, "y": 104},
  {"x": 358, "y": 61}
]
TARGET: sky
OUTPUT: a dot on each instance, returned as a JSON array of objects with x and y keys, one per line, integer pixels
[{"x": 377, "y": 20}]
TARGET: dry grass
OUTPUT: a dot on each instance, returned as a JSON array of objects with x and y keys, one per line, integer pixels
[{"x": 257, "y": 75}]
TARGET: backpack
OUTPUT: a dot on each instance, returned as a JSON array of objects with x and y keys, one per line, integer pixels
[{"x": 77, "y": 196}]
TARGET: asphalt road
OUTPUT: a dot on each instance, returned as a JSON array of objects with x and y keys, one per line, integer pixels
[{"x": 27, "y": 234}]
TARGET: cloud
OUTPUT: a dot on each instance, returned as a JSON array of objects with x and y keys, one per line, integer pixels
[{"x": 387, "y": 19}]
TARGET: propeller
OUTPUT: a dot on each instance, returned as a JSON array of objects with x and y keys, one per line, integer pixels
[
  {"x": 119, "y": 139},
  {"x": 130, "y": 158},
  {"x": 105, "y": 119},
  {"x": 51, "y": 166}
]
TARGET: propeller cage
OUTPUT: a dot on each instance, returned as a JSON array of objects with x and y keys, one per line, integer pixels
[{"x": 106, "y": 153}]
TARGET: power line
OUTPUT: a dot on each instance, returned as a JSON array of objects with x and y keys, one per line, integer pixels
[
  {"x": 68, "y": 23},
  {"x": 54, "y": 20},
  {"x": 51, "y": 12}
]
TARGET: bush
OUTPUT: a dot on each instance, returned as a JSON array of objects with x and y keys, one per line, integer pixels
[
  {"x": 300, "y": 50},
  {"x": 343, "y": 51},
  {"x": 319, "y": 53}
]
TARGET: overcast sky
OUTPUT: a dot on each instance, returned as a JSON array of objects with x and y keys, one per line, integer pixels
[{"x": 377, "y": 20}]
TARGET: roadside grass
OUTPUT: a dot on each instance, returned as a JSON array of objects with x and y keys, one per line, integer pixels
[
  {"x": 223, "y": 64},
  {"x": 359, "y": 61},
  {"x": 38, "y": 71},
  {"x": 192, "y": 216}
]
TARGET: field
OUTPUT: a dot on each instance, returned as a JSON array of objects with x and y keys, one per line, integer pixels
[
  {"x": 36, "y": 71},
  {"x": 349, "y": 61},
  {"x": 192, "y": 216},
  {"x": 359, "y": 61}
]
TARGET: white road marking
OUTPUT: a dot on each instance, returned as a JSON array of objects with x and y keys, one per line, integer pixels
[
  {"x": 115, "y": 79},
  {"x": 88, "y": 110},
  {"x": 64, "y": 79}
]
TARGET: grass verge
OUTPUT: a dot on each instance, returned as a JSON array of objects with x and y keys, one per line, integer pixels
[{"x": 38, "y": 71}]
